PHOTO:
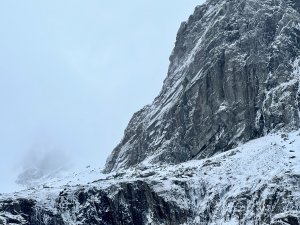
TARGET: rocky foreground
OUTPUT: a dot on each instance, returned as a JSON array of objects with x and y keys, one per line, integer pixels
[{"x": 256, "y": 183}]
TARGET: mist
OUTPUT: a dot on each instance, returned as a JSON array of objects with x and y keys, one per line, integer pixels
[
  {"x": 72, "y": 73},
  {"x": 44, "y": 160}
]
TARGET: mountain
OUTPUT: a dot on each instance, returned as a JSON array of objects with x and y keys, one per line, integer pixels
[
  {"x": 233, "y": 77},
  {"x": 219, "y": 145}
]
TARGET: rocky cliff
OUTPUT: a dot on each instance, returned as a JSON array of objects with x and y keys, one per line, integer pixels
[
  {"x": 219, "y": 145},
  {"x": 230, "y": 80}
]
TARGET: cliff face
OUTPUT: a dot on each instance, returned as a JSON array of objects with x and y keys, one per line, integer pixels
[
  {"x": 122, "y": 203},
  {"x": 231, "y": 79}
]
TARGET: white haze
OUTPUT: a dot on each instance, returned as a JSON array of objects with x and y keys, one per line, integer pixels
[{"x": 73, "y": 72}]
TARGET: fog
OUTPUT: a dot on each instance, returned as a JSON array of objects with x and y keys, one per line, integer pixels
[
  {"x": 45, "y": 159},
  {"x": 72, "y": 73}
]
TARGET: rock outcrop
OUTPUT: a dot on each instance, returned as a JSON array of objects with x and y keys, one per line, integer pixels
[
  {"x": 231, "y": 79},
  {"x": 124, "y": 203}
]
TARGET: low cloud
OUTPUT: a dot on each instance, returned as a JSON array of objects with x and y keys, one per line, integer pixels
[{"x": 43, "y": 161}]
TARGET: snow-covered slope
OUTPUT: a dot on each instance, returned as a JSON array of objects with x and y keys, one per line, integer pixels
[{"x": 255, "y": 183}]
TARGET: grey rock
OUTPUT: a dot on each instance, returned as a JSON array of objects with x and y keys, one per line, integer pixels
[
  {"x": 232, "y": 78},
  {"x": 121, "y": 204}
]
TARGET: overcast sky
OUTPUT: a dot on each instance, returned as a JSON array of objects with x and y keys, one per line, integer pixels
[{"x": 73, "y": 72}]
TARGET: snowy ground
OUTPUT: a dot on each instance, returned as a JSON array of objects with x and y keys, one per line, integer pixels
[{"x": 247, "y": 167}]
